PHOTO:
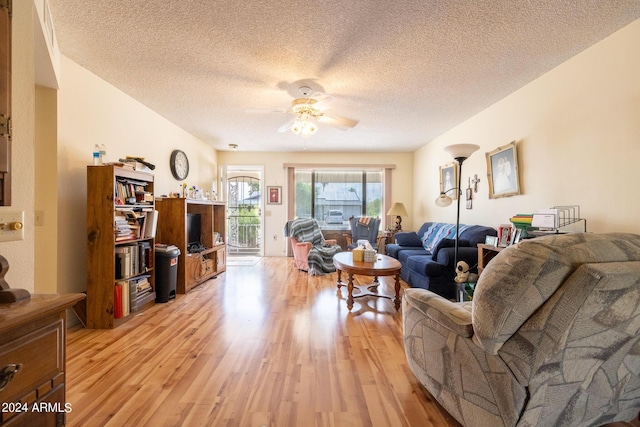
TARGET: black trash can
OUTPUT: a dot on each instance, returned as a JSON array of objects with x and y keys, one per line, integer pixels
[{"x": 166, "y": 272}]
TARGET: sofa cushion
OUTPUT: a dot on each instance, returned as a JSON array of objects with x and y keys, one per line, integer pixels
[
  {"x": 475, "y": 234},
  {"x": 404, "y": 255},
  {"x": 424, "y": 265},
  {"x": 448, "y": 243},
  {"x": 408, "y": 238}
]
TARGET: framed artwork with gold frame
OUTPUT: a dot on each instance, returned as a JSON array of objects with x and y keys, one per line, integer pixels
[
  {"x": 449, "y": 180},
  {"x": 502, "y": 171}
]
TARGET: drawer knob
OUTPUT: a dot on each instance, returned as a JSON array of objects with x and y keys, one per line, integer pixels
[{"x": 7, "y": 373}]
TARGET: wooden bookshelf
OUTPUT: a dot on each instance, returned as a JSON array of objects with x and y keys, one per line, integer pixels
[
  {"x": 193, "y": 268},
  {"x": 112, "y": 190}
]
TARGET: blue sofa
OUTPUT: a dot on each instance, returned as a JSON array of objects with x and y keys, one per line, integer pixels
[{"x": 428, "y": 256}]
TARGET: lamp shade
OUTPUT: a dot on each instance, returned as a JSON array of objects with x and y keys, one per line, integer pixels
[
  {"x": 463, "y": 151},
  {"x": 398, "y": 209},
  {"x": 443, "y": 200}
]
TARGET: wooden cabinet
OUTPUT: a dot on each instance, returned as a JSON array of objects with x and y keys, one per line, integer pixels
[
  {"x": 194, "y": 268},
  {"x": 33, "y": 346},
  {"x": 113, "y": 258}
]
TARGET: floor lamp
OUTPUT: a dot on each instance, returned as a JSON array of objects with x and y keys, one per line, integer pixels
[{"x": 460, "y": 152}]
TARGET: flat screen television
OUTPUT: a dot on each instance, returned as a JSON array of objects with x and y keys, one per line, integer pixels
[{"x": 194, "y": 231}]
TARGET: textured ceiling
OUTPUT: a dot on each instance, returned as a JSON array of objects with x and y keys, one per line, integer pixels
[{"x": 408, "y": 70}]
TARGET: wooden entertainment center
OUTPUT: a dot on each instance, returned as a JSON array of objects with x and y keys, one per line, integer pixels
[{"x": 193, "y": 268}]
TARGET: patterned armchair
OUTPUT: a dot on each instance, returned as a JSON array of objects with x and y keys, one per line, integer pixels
[
  {"x": 552, "y": 336},
  {"x": 363, "y": 228},
  {"x": 311, "y": 252}
]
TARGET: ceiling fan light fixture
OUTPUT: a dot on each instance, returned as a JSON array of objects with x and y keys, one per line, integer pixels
[
  {"x": 308, "y": 129},
  {"x": 304, "y": 127}
]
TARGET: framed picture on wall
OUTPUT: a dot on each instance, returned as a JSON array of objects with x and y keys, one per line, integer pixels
[
  {"x": 274, "y": 195},
  {"x": 449, "y": 179},
  {"x": 502, "y": 171}
]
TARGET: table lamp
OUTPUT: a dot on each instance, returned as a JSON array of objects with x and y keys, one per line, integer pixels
[{"x": 399, "y": 211}]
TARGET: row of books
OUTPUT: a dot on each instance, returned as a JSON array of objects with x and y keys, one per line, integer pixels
[
  {"x": 134, "y": 225},
  {"x": 130, "y": 191},
  {"x": 521, "y": 219},
  {"x": 133, "y": 259},
  {"x": 131, "y": 295}
]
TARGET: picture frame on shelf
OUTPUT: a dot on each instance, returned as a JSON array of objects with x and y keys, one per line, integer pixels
[
  {"x": 504, "y": 235},
  {"x": 491, "y": 240},
  {"x": 449, "y": 179},
  {"x": 274, "y": 195},
  {"x": 502, "y": 171},
  {"x": 516, "y": 236}
]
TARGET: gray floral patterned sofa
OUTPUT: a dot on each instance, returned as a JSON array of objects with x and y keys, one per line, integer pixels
[{"x": 551, "y": 338}]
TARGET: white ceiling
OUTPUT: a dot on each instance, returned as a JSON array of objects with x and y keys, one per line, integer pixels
[{"x": 408, "y": 70}]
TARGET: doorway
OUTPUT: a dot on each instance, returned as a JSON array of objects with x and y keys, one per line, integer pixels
[{"x": 245, "y": 212}]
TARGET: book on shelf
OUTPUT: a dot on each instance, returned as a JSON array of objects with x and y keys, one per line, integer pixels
[
  {"x": 133, "y": 293},
  {"x": 133, "y": 259},
  {"x": 152, "y": 224},
  {"x": 123, "y": 262},
  {"x": 127, "y": 188},
  {"x": 521, "y": 219},
  {"x": 144, "y": 298},
  {"x": 117, "y": 301},
  {"x": 125, "y": 299}
]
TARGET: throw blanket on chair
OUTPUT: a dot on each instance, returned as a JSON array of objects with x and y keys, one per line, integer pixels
[
  {"x": 320, "y": 256},
  {"x": 364, "y": 220}
]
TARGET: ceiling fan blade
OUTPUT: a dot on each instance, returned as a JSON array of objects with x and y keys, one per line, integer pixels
[
  {"x": 285, "y": 127},
  {"x": 339, "y": 122},
  {"x": 321, "y": 100}
]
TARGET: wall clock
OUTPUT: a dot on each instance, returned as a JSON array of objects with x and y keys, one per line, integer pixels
[{"x": 179, "y": 164}]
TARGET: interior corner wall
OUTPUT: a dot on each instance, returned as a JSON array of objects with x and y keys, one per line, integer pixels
[
  {"x": 20, "y": 254},
  {"x": 92, "y": 111},
  {"x": 577, "y": 130},
  {"x": 46, "y": 191}
]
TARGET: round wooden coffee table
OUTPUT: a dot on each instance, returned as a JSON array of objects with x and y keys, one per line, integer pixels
[{"x": 383, "y": 266}]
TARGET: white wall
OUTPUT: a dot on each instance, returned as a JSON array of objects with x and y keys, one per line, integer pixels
[
  {"x": 578, "y": 135},
  {"x": 91, "y": 111},
  {"x": 275, "y": 174}
]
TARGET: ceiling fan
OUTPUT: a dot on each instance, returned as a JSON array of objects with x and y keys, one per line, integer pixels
[{"x": 307, "y": 113}]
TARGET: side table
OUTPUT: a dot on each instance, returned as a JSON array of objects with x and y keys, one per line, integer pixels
[{"x": 485, "y": 254}]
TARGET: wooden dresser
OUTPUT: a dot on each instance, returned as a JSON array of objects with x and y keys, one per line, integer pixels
[{"x": 32, "y": 345}]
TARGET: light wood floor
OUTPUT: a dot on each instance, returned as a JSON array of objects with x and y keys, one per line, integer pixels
[{"x": 262, "y": 345}]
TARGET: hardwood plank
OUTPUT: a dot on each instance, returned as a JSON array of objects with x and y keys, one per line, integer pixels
[{"x": 261, "y": 345}]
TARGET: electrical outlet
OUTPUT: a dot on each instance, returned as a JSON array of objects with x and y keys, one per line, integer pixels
[{"x": 11, "y": 226}]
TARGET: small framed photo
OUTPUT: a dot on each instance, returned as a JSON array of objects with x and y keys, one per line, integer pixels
[
  {"x": 449, "y": 180},
  {"x": 516, "y": 235},
  {"x": 274, "y": 195},
  {"x": 491, "y": 240},
  {"x": 502, "y": 171}
]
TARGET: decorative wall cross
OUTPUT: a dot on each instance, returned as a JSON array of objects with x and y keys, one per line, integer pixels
[{"x": 475, "y": 181}]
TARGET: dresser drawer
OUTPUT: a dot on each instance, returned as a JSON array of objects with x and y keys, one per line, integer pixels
[{"x": 41, "y": 353}]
